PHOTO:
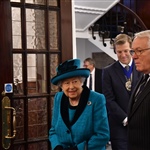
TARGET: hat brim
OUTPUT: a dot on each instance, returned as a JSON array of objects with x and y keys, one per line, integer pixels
[{"x": 78, "y": 72}]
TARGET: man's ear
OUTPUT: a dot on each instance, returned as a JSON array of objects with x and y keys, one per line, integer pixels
[{"x": 114, "y": 48}]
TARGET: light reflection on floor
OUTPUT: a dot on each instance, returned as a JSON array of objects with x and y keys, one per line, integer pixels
[{"x": 108, "y": 146}]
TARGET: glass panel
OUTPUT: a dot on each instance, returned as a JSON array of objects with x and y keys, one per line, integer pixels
[
  {"x": 17, "y": 74},
  {"x": 16, "y": 28},
  {"x": 14, "y": 0},
  {"x": 36, "y": 67},
  {"x": 37, "y": 118},
  {"x": 19, "y": 147},
  {"x": 53, "y": 2},
  {"x": 41, "y": 73},
  {"x": 19, "y": 107},
  {"x": 54, "y": 61},
  {"x": 42, "y": 2},
  {"x": 38, "y": 146},
  {"x": 35, "y": 22},
  {"x": 53, "y": 30}
]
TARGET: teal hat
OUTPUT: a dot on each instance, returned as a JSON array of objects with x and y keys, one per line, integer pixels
[{"x": 68, "y": 69}]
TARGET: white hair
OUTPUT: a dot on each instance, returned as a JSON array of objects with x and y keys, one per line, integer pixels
[{"x": 143, "y": 34}]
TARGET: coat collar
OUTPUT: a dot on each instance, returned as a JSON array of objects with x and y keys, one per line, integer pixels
[{"x": 65, "y": 106}]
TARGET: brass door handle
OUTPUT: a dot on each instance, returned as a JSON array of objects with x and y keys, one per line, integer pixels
[
  {"x": 7, "y": 118},
  {"x": 14, "y": 124}
]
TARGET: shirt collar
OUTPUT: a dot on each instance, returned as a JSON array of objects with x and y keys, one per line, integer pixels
[
  {"x": 130, "y": 63},
  {"x": 93, "y": 71}
]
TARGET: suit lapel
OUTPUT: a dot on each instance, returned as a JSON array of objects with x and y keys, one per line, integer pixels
[
  {"x": 97, "y": 78},
  {"x": 140, "y": 98},
  {"x": 131, "y": 101},
  {"x": 119, "y": 72}
]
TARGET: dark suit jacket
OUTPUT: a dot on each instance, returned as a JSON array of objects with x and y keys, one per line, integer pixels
[
  {"x": 98, "y": 80},
  {"x": 117, "y": 97},
  {"x": 139, "y": 120}
]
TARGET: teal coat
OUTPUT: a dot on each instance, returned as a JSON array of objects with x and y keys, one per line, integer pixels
[{"x": 88, "y": 127}]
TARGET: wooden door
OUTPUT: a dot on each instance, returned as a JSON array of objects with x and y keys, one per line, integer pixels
[{"x": 35, "y": 38}]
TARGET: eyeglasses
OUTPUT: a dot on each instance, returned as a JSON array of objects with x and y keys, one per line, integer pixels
[{"x": 138, "y": 52}]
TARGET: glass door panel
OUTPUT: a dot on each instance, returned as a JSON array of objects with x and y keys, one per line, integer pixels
[
  {"x": 54, "y": 61},
  {"x": 37, "y": 120},
  {"x": 42, "y": 2},
  {"x": 19, "y": 107},
  {"x": 36, "y": 76},
  {"x": 53, "y": 2},
  {"x": 17, "y": 74},
  {"x": 16, "y": 28},
  {"x": 35, "y": 24},
  {"x": 53, "y": 30}
]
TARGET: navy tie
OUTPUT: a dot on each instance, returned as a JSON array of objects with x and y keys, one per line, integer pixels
[
  {"x": 127, "y": 67},
  {"x": 90, "y": 82}
]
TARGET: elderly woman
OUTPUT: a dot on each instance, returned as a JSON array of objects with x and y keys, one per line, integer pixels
[{"x": 79, "y": 120}]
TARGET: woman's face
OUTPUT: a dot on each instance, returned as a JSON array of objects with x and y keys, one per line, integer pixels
[{"x": 72, "y": 87}]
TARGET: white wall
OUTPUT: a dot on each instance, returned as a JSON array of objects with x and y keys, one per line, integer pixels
[{"x": 85, "y": 49}]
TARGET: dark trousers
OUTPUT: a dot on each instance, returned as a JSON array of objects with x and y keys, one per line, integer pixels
[{"x": 119, "y": 144}]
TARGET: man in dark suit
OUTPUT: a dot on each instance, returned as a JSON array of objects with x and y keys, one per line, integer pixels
[
  {"x": 96, "y": 75},
  {"x": 139, "y": 106},
  {"x": 118, "y": 82}
]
